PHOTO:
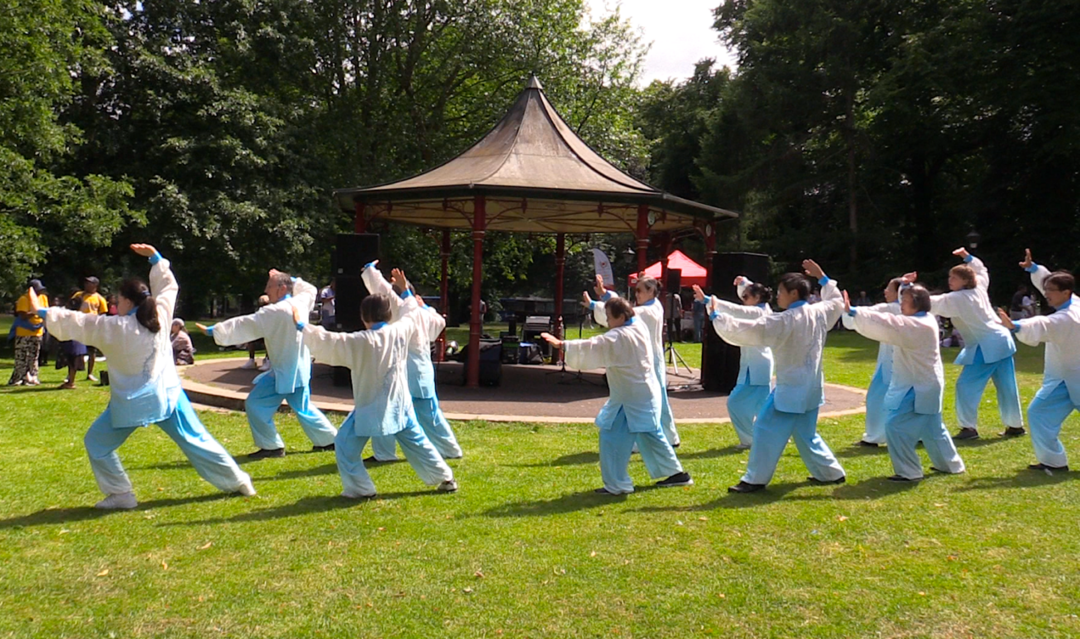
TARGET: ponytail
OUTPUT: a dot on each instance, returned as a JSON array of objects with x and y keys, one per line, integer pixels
[{"x": 145, "y": 305}]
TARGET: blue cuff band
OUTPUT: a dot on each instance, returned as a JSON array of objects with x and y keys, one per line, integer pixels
[
  {"x": 406, "y": 294},
  {"x": 210, "y": 331},
  {"x": 592, "y": 303},
  {"x": 367, "y": 266},
  {"x": 714, "y": 315},
  {"x": 300, "y": 326},
  {"x": 155, "y": 258},
  {"x": 851, "y": 312},
  {"x": 824, "y": 280},
  {"x": 42, "y": 312},
  {"x": 606, "y": 296},
  {"x": 1034, "y": 268},
  {"x": 968, "y": 258}
]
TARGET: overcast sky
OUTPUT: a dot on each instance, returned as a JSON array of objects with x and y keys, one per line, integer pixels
[{"x": 680, "y": 31}]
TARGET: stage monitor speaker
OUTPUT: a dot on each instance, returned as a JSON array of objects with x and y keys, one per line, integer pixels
[
  {"x": 673, "y": 280},
  {"x": 720, "y": 360},
  {"x": 342, "y": 377},
  {"x": 354, "y": 250},
  {"x": 349, "y": 293}
]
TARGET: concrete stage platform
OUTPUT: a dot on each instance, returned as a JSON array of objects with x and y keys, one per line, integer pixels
[{"x": 526, "y": 393}]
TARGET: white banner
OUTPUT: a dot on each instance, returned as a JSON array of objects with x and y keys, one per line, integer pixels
[{"x": 603, "y": 268}]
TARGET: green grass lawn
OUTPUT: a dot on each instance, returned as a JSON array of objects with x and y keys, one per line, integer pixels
[{"x": 525, "y": 549}]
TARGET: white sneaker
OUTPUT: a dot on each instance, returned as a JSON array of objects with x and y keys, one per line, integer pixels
[
  {"x": 246, "y": 489},
  {"x": 250, "y": 364},
  {"x": 123, "y": 501},
  {"x": 448, "y": 486},
  {"x": 33, "y": 381},
  {"x": 265, "y": 366}
]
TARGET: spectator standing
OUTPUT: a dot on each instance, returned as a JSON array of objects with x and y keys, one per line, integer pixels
[{"x": 29, "y": 328}]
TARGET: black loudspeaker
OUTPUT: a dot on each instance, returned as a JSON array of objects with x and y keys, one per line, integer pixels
[
  {"x": 349, "y": 292},
  {"x": 354, "y": 251},
  {"x": 342, "y": 377},
  {"x": 720, "y": 360},
  {"x": 673, "y": 280}
]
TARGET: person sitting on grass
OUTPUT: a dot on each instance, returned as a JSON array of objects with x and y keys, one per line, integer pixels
[
  {"x": 917, "y": 384},
  {"x": 632, "y": 412},
  {"x": 876, "y": 413},
  {"x": 289, "y": 377},
  {"x": 144, "y": 388},
  {"x": 755, "y": 362},
  {"x": 383, "y": 407},
  {"x": 182, "y": 348},
  {"x": 1060, "y": 392},
  {"x": 797, "y": 339},
  {"x": 988, "y": 347}
]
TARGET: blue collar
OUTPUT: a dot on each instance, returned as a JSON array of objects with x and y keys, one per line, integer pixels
[
  {"x": 132, "y": 311},
  {"x": 377, "y": 325},
  {"x": 795, "y": 305},
  {"x": 650, "y": 302},
  {"x": 761, "y": 305},
  {"x": 1064, "y": 306},
  {"x": 920, "y": 314},
  {"x": 287, "y": 296},
  {"x": 628, "y": 321}
]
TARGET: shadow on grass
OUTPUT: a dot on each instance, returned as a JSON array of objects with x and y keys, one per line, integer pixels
[
  {"x": 1024, "y": 478},
  {"x": 315, "y": 471},
  {"x": 575, "y": 459},
  {"x": 875, "y": 488},
  {"x": 82, "y": 513},
  {"x": 856, "y": 450},
  {"x": 569, "y": 503},
  {"x": 711, "y": 453},
  {"x": 304, "y": 506}
]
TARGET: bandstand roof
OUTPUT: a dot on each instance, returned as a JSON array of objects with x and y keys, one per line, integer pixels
[{"x": 536, "y": 176}]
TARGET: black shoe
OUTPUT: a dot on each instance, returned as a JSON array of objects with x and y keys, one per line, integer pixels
[
  {"x": 676, "y": 445},
  {"x": 372, "y": 460},
  {"x": 1014, "y": 432},
  {"x": 678, "y": 479},
  {"x": 603, "y": 491},
  {"x": 743, "y": 487},
  {"x": 1063, "y": 469},
  {"x": 864, "y": 443},
  {"x": 901, "y": 478},
  {"x": 819, "y": 482},
  {"x": 322, "y": 449},
  {"x": 966, "y": 433},
  {"x": 264, "y": 453}
]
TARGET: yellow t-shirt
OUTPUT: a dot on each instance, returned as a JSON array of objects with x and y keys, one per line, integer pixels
[
  {"x": 23, "y": 306},
  {"x": 94, "y": 303}
]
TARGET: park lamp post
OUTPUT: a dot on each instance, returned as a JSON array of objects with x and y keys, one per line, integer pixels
[{"x": 973, "y": 239}]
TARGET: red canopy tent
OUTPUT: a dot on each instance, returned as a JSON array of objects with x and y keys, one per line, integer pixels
[{"x": 692, "y": 272}]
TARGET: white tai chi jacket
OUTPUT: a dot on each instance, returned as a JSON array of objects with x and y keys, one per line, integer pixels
[
  {"x": 290, "y": 360},
  {"x": 626, "y": 353},
  {"x": 916, "y": 356},
  {"x": 885, "y": 349},
  {"x": 755, "y": 360},
  {"x": 1061, "y": 332},
  {"x": 143, "y": 385},
  {"x": 377, "y": 360},
  {"x": 429, "y": 325},
  {"x": 796, "y": 337},
  {"x": 973, "y": 315}
]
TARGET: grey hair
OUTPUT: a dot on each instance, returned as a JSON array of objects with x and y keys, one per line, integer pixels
[
  {"x": 920, "y": 297},
  {"x": 283, "y": 279}
]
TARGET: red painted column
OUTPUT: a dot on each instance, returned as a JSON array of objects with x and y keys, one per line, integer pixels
[
  {"x": 359, "y": 221},
  {"x": 444, "y": 294},
  {"x": 642, "y": 237},
  {"x": 560, "y": 267},
  {"x": 476, "y": 321}
]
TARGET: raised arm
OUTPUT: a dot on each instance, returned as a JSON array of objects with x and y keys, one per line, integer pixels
[
  {"x": 304, "y": 294},
  {"x": 885, "y": 327},
  {"x": 377, "y": 284},
  {"x": 235, "y": 331},
  {"x": 96, "y": 330},
  {"x": 586, "y": 354},
  {"x": 744, "y": 332},
  {"x": 738, "y": 311},
  {"x": 599, "y": 312}
]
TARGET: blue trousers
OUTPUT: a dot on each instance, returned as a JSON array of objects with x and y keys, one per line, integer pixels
[
  {"x": 667, "y": 419},
  {"x": 971, "y": 384},
  {"x": 876, "y": 413},
  {"x": 209, "y": 458},
  {"x": 435, "y": 426},
  {"x": 422, "y": 456},
  {"x": 1045, "y": 416},
  {"x": 903, "y": 430},
  {"x": 264, "y": 400},
  {"x": 615, "y": 446},
  {"x": 773, "y": 429},
  {"x": 743, "y": 404}
]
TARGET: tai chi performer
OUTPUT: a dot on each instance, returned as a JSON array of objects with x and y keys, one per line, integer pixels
[
  {"x": 289, "y": 376},
  {"x": 1060, "y": 392},
  {"x": 143, "y": 384},
  {"x": 797, "y": 338},
  {"x": 755, "y": 362},
  {"x": 649, "y": 311},
  {"x": 429, "y": 325},
  {"x": 876, "y": 413},
  {"x": 988, "y": 347},
  {"x": 378, "y": 360},
  {"x": 917, "y": 384},
  {"x": 632, "y": 412}
]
